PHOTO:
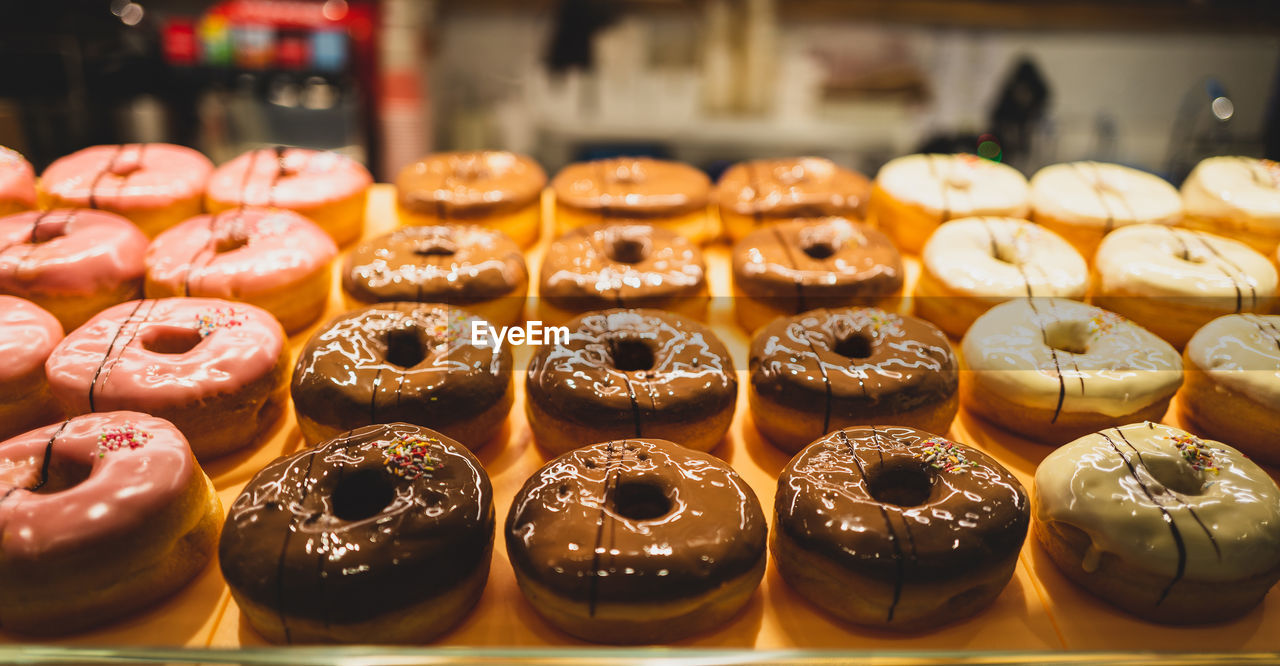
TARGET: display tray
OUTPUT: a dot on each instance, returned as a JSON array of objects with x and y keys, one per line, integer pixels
[{"x": 1039, "y": 610}]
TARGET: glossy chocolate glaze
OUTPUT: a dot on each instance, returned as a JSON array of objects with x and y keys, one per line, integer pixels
[
  {"x": 793, "y": 187},
  {"x": 817, "y": 263},
  {"x": 632, "y": 188},
  {"x": 838, "y": 498},
  {"x": 345, "y": 380},
  {"x": 635, "y": 520},
  {"x": 797, "y": 361},
  {"x": 620, "y": 266},
  {"x": 455, "y": 264},
  {"x": 470, "y": 185},
  {"x": 292, "y": 542},
  {"x": 692, "y": 374}
]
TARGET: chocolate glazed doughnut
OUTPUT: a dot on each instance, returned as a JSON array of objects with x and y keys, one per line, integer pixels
[
  {"x": 830, "y": 369},
  {"x": 631, "y": 373},
  {"x": 636, "y": 541},
  {"x": 381, "y": 535},
  {"x": 895, "y": 528},
  {"x": 762, "y": 191},
  {"x": 412, "y": 362}
]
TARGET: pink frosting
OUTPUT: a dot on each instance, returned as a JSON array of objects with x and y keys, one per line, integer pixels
[
  {"x": 125, "y": 488},
  {"x": 133, "y": 176},
  {"x": 109, "y": 363},
  {"x": 294, "y": 178},
  {"x": 17, "y": 179},
  {"x": 238, "y": 253},
  {"x": 68, "y": 252},
  {"x": 27, "y": 334}
]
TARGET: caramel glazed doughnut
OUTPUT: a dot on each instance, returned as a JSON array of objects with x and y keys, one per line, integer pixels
[
  {"x": 623, "y": 373},
  {"x": 636, "y": 541},
  {"x": 381, "y": 535},
  {"x": 1159, "y": 523},
  {"x": 829, "y": 369},
  {"x": 896, "y": 528},
  {"x": 761, "y": 191},
  {"x": 496, "y": 189}
]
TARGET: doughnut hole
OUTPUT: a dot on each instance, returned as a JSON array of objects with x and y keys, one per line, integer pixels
[
  {"x": 362, "y": 495},
  {"x": 1071, "y": 337},
  {"x": 405, "y": 347},
  {"x": 436, "y": 247},
  {"x": 901, "y": 485},
  {"x": 230, "y": 243},
  {"x": 627, "y": 248},
  {"x": 1174, "y": 474},
  {"x": 170, "y": 340},
  {"x": 640, "y": 500},
  {"x": 857, "y": 345},
  {"x": 820, "y": 249},
  {"x": 43, "y": 232},
  {"x": 819, "y": 241},
  {"x": 631, "y": 355},
  {"x": 63, "y": 475},
  {"x": 1005, "y": 253}
]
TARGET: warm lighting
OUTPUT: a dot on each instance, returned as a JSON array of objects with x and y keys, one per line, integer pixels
[
  {"x": 1222, "y": 107},
  {"x": 334, "y": 10}
]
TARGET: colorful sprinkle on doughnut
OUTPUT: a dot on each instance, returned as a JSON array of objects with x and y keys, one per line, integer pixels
[
  {"x": 1196, "y": 452},
  {"x": 880, "y": 322},
  {"x": 945, "y": 455},
  {"x": 1104, "y": 321},
  {"x": 208, "y": 322},
  {"x": 410, "y": 458},
  {"x": 119, "y": 438}
]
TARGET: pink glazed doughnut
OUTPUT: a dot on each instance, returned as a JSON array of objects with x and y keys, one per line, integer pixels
[
  {"x": 73, "y": 263},
  {"x": 27, "y": 334},
  {"x": 100, "y": 516},
  {"x": 327, "y": 187},
  {"x": 217, "y": 370},
  {"x": 155, "y": 185},
  {"x": 274, "y": 259},
  {"x": 17, "y": 183}
]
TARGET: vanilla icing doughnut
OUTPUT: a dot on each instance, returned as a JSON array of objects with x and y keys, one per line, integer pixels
[
  {"x": 274, "y": 259},
  {"x": 215, "y": 369},
  {"x": 328, "y": 188},
  {"x": 912, "y": 195},
  {"x": 1232, "y": 389},
  {"x": 634, "y": 189},
  {"x": 1173, "y": 281},
  {"x": 1237, "y": 197},
  {"x": 1052, "y": 369},
  {"x": 1084, "y": 201},
  {"x": 17, "y": 182},
  {"x": 971, "y": 264},
  {"x": 28, "y": 334},
  {"x": 72, "y": 262},
  {"x": 1159, "y": 523},
  {"x": 155, "y": 185},
  {"x": 100, "y": 516}
]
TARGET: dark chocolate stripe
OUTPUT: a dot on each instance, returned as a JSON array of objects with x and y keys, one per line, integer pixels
[
  {"x": 48, "y": 460},
  {"x": 826, "y": 384},
  {"x": 793, "y": 265},
  {"x": 943, "y": 186},
  {"x": 1057, "y": 367},
  {"x": 1097, "y": 190},
  {"x": 244, "y": 180},
  {"x": 1239, "y": 273},
  {"x": 1265, "y": 327},
  {"x": 136, "y": 329},
  {"x": 593, "y": 584},
  {"x": 754, "y": 180},
  {"x": 106, "y": 356},
  {"x": 995, "y": 252},
  {"x": 888, "y": 524},
  {"x": 1212, "y": 541},
  {"x": 111, "y": 164},
  {"x": 284, "y": 545}
]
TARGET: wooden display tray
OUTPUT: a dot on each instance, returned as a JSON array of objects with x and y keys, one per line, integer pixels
[{"x": 1039, "y": 610}]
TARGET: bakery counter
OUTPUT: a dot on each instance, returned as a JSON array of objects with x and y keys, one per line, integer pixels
[{"x": 1039, "y": 616}]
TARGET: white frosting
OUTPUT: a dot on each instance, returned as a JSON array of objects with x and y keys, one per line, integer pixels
[
  {"x": 1004, "y": 257},
  {"x": 1243, "y": 192},
  {"x": 1130, "y": 488},
  {"x": 954, "y": 186},
  {"x": 1121, "y": 367},
  {"x": 1242, "y": 353},
  {"x": 1200, "y": 269},
  {"x": 1096, "y": 194}
]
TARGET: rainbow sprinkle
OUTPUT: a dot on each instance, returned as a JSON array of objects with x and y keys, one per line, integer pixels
[
  {"x": 1195, "y": 451},
  {"x": 1103, "y": 322},
  {"x": 881, "y": 321},
  {"x": 119, "y": 438},
  {"x": 410, "y": 457},
  {"x": 945, "y": 455},
  {"x": 208, "y": 322}
]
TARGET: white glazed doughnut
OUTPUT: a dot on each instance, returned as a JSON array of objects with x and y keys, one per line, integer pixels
[
  {"x": 972, "y": 264},
  {"x": 1173, "y": 281},
  {"x": 1160, "y": 523},
  {"x": 1053, "y": 370},
  {"x": 1237, "y": 197},
  {"x": 912, "y": 195}
]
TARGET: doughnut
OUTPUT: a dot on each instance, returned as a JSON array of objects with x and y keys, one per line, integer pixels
[
  {"x": 757, "y": 192},
  {"x": 631, "y": 373},
  {"x": 621, "y": 266},
  {"x": 1160, "y": 523},
  {"x": 217, "y": 370},
  {"x": 971, "y": 264},
  {"x": 1173, "y": 281},
  {"x": 17, "y": 183},
  {"x": 490, "y": 188},
  {"x": 274, "y": 259},
  {"x": 1053, "y": 370},
  {"x": 636, "y": 541},
  {"x": 791, "y": 267},
  {"x": 1232, "y": 388},
  {"x": 28, "y": 334},
  {"x": 74, "y": 263},
  {"x": 411, "y": 362},
  {"x": 381, "y": 535},
  {"x": 634, "y": 189},
  {"x": 1084, "y": 201},
  {"x": 912, "y": 195},
  {"x": 155, "y": 185},
  {"x": 326, "y": 187},
  {"x": 1236, "y": 197},
  {"x": 466, "y": 265},
  {"x": 830, "y": 369},
  {"x": 895, "y": 528},
  {"x": 101, "y": 516}
]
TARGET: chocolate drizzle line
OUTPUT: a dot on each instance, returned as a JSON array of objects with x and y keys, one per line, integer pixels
[
  {"x": 631, "y": 389},
  {"x": 1250, "y": 165},
  {"x": 884, "y": 513},
  {"x": 1165, "y": 491},
  {"x": 1265, "y": 327},
  {"x": 610, "y": 475},
  {"x": 995, "y": 252},
  {"x": 32, "y": 236},
  {"x": 111, "y": 164},
  {"x": 1238, "y": 273},
  {"x": 1057, "y": 366},
  {"x": 106, "y": 356},
  {"x": 826, "y": 384},
  {"x": 1096, "y": 185},
  {"x": 943, "y": 186},
  {"x": 284, "y": 545},
  {"x": 794, "y": 266}
]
